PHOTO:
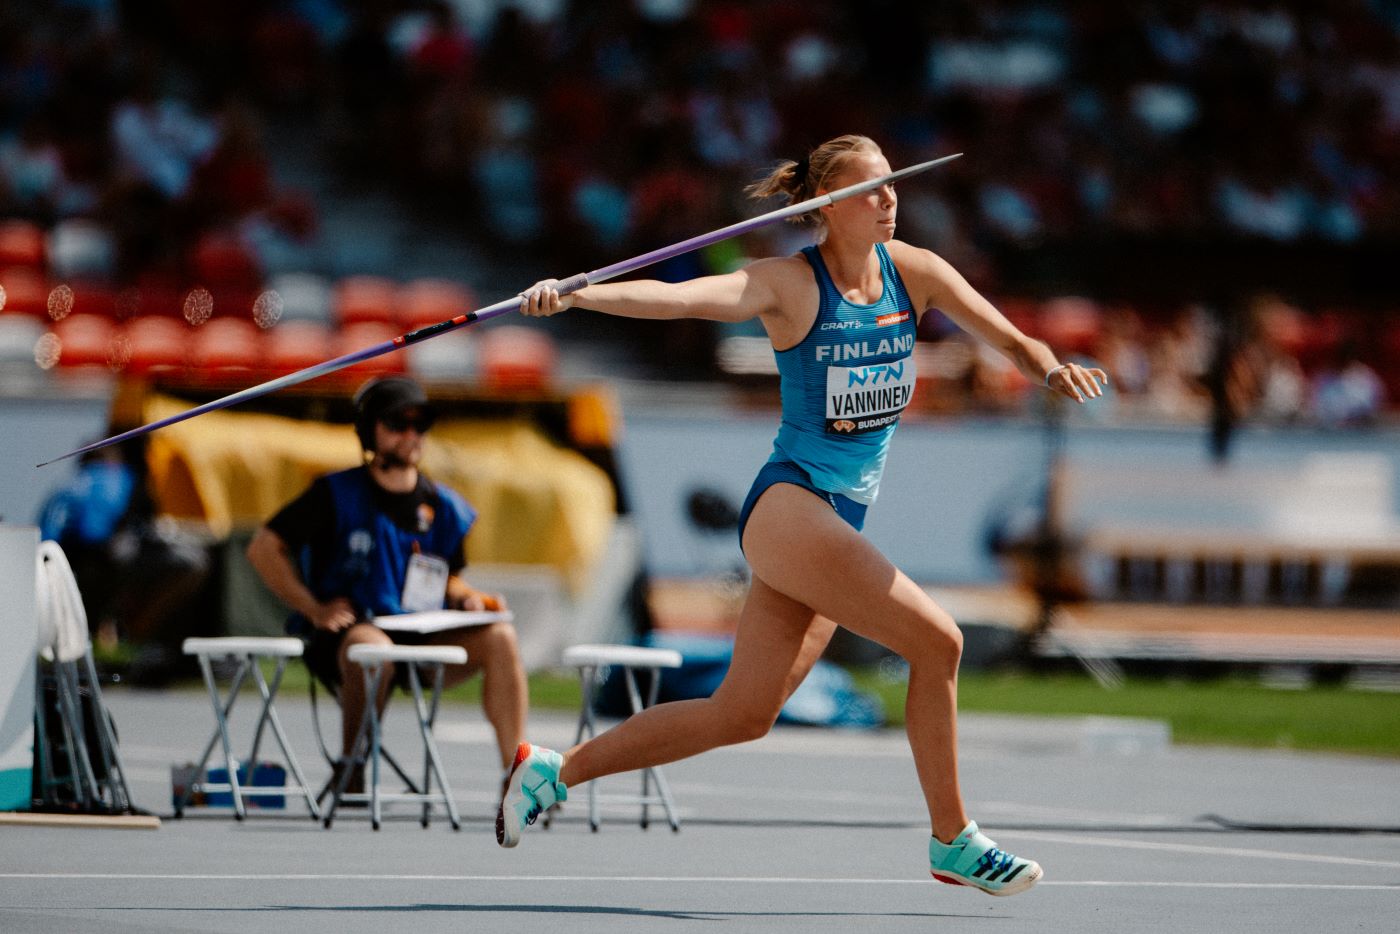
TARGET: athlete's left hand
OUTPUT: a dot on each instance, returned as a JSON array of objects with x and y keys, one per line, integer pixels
[{"x": 1078, "y": 382}]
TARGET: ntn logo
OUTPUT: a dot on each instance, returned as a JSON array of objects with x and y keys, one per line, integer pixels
[{"x": 876, "y": 373}]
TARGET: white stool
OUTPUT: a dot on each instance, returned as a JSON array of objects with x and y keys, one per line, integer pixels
[
  {"x": 374, "y": 661},
  {"x": 247, "y": 651},
  {"x": 591, "y": 661}
]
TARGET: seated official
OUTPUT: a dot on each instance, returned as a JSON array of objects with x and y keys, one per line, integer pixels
[{"x": 382, "y": 539}]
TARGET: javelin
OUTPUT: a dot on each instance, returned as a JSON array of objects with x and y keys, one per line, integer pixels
[{"x": 565, "y": 287}]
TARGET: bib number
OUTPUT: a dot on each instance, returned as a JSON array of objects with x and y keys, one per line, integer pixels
[
  {"x": 862, "y": 399},
  {"x": 425, "y": 587}
]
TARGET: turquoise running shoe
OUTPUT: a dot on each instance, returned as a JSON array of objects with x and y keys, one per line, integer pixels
[
  {"x": 973, "y": 859},
  {"x": 532, "y": 788}
]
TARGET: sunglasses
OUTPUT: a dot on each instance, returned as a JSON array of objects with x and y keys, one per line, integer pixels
[{"x": 402, "y": 421}]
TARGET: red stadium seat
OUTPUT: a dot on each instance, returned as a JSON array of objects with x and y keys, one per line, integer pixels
[
  {"x": 158, "y": 345},
  {"x": 1022, "y": 312},
  {"x": 93, "y": 298},
  {"x": 154, "y": 295},
  {"x": 296, "y": 345},
  {"x": 515, "y": 357},
  {"x": 226, "y": 347},
  {"x": 26, "y": 292},
  {"x": 21, "y": 244},
  {"x": 428, "y": 301},
  {"x": 88, "y": 340},
  {"x": 1389, "y": 354},
  {"x": 1071, "y": 324},
  {"x": 361, "y": 299},
  {"x": 234, "y": 302}
]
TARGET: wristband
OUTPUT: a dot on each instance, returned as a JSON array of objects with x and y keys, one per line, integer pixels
[{"x": 1053, "y": 371}]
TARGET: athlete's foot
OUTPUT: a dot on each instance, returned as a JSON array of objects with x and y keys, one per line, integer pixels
[
  {"x": 973, "y": 859},
  {"x": 532, "y": 787}
]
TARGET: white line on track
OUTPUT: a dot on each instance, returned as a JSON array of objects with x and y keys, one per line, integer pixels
[
  {"x": 649, "y": 880},
  {"x": 1118, "y": 843}
]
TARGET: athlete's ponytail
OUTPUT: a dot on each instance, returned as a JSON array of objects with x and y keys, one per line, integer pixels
[{"x": 800, "y": 181}]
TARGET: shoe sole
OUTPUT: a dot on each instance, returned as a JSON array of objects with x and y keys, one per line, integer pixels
[
  {"x": 1027, "y": 879},
  {"x": 522, "y": 752}
]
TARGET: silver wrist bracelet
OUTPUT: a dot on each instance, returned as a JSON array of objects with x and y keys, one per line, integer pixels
[{"x": 1053, "y": 371}]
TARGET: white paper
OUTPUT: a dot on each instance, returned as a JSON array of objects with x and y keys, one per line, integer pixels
[{"x": 438, "y": 620}]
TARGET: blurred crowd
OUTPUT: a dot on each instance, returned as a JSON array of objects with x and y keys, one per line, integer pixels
[
  {"x": 1270, "y": 363},
  {"x": 579, "y": 133}
]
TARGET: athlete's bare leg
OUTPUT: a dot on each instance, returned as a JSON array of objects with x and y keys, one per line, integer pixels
[
  {"x": 798, "y": 545},
  {"x": 777, "y": 642},
  {"x": 810, "y": 568}
]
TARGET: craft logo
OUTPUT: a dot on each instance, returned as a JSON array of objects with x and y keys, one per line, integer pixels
[
  {"x": 840, "y": 325},
  {"x": 894, "y": 317}
]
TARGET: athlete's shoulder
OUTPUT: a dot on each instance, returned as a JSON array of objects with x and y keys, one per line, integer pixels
[
  {"x": 914, "y": 257},
  {"x": 924, "y": 272},
  {"x": 782, "y": 277}
]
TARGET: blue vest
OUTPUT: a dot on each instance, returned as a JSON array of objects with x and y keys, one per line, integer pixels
[
  {"x": 369, "y": 560},
  {"x": 845, "y": 385}
]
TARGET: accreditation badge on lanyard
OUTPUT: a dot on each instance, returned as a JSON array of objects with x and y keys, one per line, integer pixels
[{"x": 425, "y": 587}]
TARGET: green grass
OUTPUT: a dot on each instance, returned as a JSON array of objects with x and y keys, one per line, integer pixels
[{"x": 1230, "y": 711}]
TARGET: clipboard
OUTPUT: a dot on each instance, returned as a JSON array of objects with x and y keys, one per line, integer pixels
[{"x": 439, "y": 620}]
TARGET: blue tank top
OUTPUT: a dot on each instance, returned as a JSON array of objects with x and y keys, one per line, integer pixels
[
  {"x": 845, "y": 385},
  {"x": 371, "y": 551}
]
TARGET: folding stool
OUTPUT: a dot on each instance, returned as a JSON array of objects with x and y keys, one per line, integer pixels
[
  {"x": 374, "y": 661},
  {"x": 592, "y": 661},
  {"x": 248, "y": 650}
]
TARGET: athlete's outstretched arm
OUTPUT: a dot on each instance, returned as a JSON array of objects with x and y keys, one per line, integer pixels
[
  {"x": 737, "y": 296},
  {"x": 940, "y": 286}
]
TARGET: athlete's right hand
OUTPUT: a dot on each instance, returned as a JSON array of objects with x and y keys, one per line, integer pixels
[
  {"x": 543, "y": 299},
  {"x": 334, "y": 615}
]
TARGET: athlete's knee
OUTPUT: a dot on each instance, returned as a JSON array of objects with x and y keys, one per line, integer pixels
[
  {"x": 742, "y": 724},
  {"x": 936, "y": 640}
]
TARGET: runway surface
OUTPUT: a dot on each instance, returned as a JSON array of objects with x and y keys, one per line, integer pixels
[{"x": 805, "y": 830}]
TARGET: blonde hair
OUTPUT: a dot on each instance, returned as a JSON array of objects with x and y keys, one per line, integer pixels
[{"x": 801, "y": 181}]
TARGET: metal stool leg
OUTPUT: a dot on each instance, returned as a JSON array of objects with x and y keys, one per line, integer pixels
[
  {"x": 372, "y": 712},
  {"x": 651, "y": 773},
  {"x": 592, "y": 678},
  {"x": 427, "y": 714},
  {"x": 357, "y": 754},
  {"x": 269, "y": 717},
  {"x": 221, "y": 712}
]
